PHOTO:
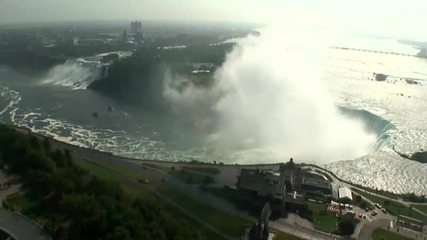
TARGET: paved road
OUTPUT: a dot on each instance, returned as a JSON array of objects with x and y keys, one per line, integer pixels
[
  {"x": 207, "y": 198},
  {"x": 368, "y": 228},
  {"x": 21, "y": 227},
  {"x": 338, "y": 182},
  {"x": 341, "y": 183},
  {"x": 302, "y": 232}
]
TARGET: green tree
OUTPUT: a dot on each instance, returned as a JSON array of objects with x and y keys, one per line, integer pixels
[
  {"x": 33, "y": 141},
  {"x": 346, "y": 225},
  {"x": 68, "y": 157},
  {"x": 77, "y": 205},
  {"x": 46, "y": 144},
  {"x": 386, "y": 202},
  {"x": 120, "y": 233},
  {"x": 59, "y": 158},
  {"x": 207, "y": 180},
  {"x": 358, "y": 198}
]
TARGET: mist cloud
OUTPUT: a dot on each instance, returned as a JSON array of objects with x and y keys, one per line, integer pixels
[
  {"x": 275, "y": 101},
  {"x": 269, "y": 104}
]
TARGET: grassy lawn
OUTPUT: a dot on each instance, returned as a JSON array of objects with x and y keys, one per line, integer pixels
[
  {"x": 396, "y": 208},
  {"x": 28, "y": 206},
  {"x": 285, "y": 236},
  {"x": 241, "y": 200},
  {"x": 422, "y": 208},
  {"x": 382, "y": 234},
  {"x": 322, "y": 220},
  {"x": 176, "y": 213},
  {"x": 206, "y": 170},
  {"x": 206, "y": 213},
  {"x": 133, "y": 173},
  {"x": 96, "y": 170},
  {"x": 23, "y": 204},
  {"x": 191, "y": 177},
  {"x": 103, "y": 171},
  {"x": 232, "y": 225}
]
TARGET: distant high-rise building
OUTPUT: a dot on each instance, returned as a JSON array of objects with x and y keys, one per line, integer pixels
[
  {"x": 135, "y": 27},
  {"x": 124, "y": 36}
]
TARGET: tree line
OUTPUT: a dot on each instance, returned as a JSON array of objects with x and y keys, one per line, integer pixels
[{"x": 79, "y": 205}]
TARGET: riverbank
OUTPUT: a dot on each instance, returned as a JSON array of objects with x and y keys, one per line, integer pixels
[
  {"x": 192, "y": 200},
  {"x": 227, "y": 173}
]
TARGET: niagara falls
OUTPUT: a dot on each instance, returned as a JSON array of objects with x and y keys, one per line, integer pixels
[{"x": 276, "y": 95}]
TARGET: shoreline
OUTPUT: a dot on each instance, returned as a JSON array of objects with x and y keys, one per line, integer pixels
[
  {"x": 89, "y": 153},
  {"x": 29, "y": 131}
]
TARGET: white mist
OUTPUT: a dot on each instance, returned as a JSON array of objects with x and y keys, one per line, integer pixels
[{"x": 273, "y": 101}]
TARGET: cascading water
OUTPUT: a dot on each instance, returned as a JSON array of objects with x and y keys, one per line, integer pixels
[
  {"x": 78, "y": 74},
  {"x": 382, "y": 128}
]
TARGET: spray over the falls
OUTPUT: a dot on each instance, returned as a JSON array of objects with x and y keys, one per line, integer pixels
[
  {"x": 274, "y": 101},
  {"x": 269, "y": 104}
]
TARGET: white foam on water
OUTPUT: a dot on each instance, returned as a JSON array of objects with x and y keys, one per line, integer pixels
[
  {"x": 403, "y": 104},
  {"x": 10, "y": 96},
  {"x": 76, "y": 75},
  {"x": 348, "y": 78}
]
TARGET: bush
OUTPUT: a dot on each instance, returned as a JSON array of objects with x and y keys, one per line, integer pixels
[
  {"x": 346, "y": 225},
  {"x": 357, "y": 198}
]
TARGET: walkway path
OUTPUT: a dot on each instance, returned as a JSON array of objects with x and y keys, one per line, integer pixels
[
  {"x": 21, "y": 227},
  {"x": 368, "y": 228}
]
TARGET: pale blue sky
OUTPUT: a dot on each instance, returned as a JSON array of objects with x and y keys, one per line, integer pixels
[{"x": 399, "y": 18}]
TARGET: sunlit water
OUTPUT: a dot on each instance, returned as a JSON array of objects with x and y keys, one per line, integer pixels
[{"x": 394, "y": 109}]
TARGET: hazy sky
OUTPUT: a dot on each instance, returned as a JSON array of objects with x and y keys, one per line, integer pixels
[{"x": 404, "y": 18}]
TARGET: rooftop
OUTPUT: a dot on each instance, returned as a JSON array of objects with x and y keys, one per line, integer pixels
[
  {"x": 316, "y": 182},
  {"x": 345, "y": 192},
  {"x": 262, "y": 182}
]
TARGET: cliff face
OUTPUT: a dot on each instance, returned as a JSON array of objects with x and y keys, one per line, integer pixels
[
  {"x": 135, "y": 81},
  {"x": 139, "y": 79}
]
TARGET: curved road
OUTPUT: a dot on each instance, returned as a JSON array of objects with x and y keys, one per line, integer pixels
[
  {"x": 368, "y": 228},
  {"x": 405, "y": 203},
  {"x": 21, "y": 227}
]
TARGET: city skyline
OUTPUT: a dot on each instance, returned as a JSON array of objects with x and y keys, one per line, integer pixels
[{"x": 400, "y": 19}]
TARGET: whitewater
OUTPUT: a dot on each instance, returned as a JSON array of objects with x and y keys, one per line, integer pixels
[{"x": 60, "y": 107}]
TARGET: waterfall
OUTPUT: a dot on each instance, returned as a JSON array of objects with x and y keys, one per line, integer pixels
[
  {"x": 77, "y": 74},
  {"x": 373, "y": 124}
]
